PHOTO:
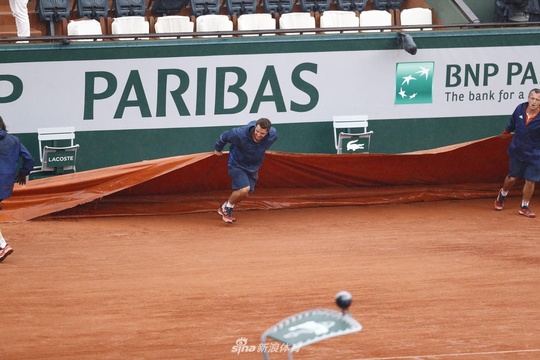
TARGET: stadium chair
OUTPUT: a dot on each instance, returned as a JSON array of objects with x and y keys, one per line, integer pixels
[
  {"x": 319, "y": 6},
  {"x": 361, "y": 140},
  {"x": 167, "y": 7},
  {"x": 130, "y": 25},
  {"x": 416, "y": 16},
  {"x": 92, "y": 9},
  {"x": 52, "y": 11},
  {"x": 60, "y": 143},
  {"x": 339, "y": 18},
  {"x": 278, "y": 6},
  {"x": 213, "y": 23},
  {"x": 371, "y": 18},
  {"x": 352, "y": 5},
  {"x": 241, "y": 7},
  {"x": 174, "y": 24},
  {"x": 85, "y": 27},
  {"x": 204, "y": 7},
  {"x": 256, "y": 22},
  {"x": 297, "y": 20},
  {"x": 129, "y": 7},
  {"x": 387, "y": 4},
  {"x": 246, "y": 9}
]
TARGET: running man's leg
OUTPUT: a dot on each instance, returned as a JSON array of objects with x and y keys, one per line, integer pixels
[
  {"x": 528, "y": 190},
  {"x": 239, "y": 195}
]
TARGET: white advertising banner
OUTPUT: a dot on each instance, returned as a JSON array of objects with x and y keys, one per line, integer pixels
[{"x": 229, "y": 90}]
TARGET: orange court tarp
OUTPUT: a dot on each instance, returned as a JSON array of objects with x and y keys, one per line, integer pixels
[{"x": 199, "y": 182}]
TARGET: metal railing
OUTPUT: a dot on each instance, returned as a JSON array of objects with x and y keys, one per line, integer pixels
[{"x": 67, "y": 39}]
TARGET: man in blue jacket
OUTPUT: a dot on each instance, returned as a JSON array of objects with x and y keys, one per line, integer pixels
[
  {"x": 524, "y": 152},
  {"x": 11, "y": 149},
  {"x": 246, "y": 154}
]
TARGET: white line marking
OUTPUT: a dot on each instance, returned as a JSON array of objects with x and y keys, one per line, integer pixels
[{"x": 416, "y": 357}]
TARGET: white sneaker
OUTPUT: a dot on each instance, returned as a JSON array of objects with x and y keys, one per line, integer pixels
[{"x": 5, "y": 252}]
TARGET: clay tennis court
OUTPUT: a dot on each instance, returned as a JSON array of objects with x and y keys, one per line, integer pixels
[
  {"x": 433, "y": 280},
  {"x": 434, "y": 271}
]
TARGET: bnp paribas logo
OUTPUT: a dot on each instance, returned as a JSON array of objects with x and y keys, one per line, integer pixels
[{"x": 414, "y": 82}]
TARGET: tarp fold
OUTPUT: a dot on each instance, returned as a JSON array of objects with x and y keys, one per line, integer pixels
[{"x": 199, "y": 182}]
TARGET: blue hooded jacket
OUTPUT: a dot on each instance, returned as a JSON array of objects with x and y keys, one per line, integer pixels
[
  {"x": 525, "y": 144},
  {"x": 11, "y": 149},
  {"x": 244, "y": 152}
]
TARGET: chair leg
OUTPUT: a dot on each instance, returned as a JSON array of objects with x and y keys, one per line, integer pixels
[{"x": 51, "y": 28}]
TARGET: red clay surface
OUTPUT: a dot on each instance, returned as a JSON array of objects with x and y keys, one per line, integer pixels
[{"x": 433, "y": 280}]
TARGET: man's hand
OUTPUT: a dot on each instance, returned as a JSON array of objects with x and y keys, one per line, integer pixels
[
  {"x": 20, "y": 179},
  {"x": 218, "y": 153}
]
